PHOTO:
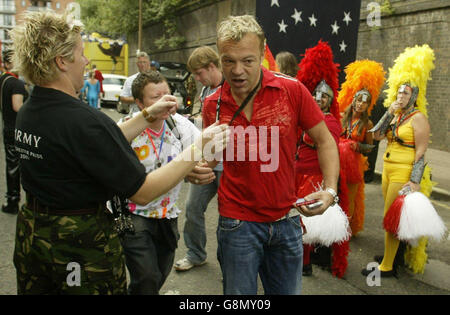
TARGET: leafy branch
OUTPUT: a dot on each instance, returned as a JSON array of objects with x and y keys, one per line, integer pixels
[{"x": 117, "y": 18}]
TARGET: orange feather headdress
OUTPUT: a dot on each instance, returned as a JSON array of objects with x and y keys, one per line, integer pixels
[{"x": 361, "y": 75}]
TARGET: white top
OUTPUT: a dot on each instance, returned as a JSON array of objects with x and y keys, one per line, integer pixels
[
  {"x": 165, "y": 205},
  {"x": 126, "y": 91}
]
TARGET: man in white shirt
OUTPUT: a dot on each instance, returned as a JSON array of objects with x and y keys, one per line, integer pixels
[
  {"x": 150, "y": 252},
  {"x": 126, "y": 97}
]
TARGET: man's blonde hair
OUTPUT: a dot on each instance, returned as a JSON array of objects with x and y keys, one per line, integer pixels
[
  {"x": 39, "y": 40},
  {"x": 236, "y": 27},
  {"x": 202, "y": 57}
]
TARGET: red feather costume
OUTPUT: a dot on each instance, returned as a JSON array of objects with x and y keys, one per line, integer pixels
[{"x": 318, "y": 65}]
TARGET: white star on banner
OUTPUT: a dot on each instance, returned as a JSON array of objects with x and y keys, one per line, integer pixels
[
  {"x": 343, "y": 46},
  {"x": 312, "y": 20},
  {"x": 297, "y": 16},
  {"x": 335, "y": 28},
  {"x": 282, "y": 27},
  {"x": 347, "y": 19},
  {"x": 275, "y": 2}
]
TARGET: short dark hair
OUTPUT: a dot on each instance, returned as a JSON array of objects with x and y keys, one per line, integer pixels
[{"x": 143, "y": 79}]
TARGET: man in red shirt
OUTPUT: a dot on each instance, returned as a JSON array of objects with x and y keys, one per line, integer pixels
[{"x": 259, "y": 230}]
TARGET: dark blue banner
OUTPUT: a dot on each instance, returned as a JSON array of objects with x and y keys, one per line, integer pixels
[{"x": 295, "y": 25}]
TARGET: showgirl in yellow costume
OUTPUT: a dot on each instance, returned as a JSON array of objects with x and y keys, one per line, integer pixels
[
  {"x": 359, "y": 93},
  {"x": 406, "y": 127}
]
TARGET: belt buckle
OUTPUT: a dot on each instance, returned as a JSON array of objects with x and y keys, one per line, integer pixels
[{"x": 292, "y": 213}]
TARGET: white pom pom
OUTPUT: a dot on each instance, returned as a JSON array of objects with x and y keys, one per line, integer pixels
[
  {"x": 418, "y": 219},
  {"x": 330, "y": 227}
]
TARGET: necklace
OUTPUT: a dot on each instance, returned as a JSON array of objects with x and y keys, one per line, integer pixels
[
  {"x": 401, "y": 118},
  {"x": 159, "y": 163},
  {"x": 351, "y": 127}
]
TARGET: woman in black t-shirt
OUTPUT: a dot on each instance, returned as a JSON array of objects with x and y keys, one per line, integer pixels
[{"x": 73, "y": 159}]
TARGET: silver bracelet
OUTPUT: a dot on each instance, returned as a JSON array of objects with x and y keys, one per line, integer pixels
[
  {"x": 333, "y": 193},
  {"x": 417, "y": 171}
]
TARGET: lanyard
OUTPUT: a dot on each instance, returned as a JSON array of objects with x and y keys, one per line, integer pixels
[
  {"x": 351, "y": 127},
  {"x": 244, "y": 103},
  {"x": 158, "y": 165},
  {"x": 401, "y": 119},
  {"x": 396, "y": 127}
]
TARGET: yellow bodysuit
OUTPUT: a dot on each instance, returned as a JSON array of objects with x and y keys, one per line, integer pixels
[{"x": 398, "y": 163}]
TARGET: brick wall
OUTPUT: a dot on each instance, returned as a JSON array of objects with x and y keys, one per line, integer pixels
[{"x": 415, "y": 23}]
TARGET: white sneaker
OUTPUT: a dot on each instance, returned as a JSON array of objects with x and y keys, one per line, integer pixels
[{"x": 185, "y": 264}]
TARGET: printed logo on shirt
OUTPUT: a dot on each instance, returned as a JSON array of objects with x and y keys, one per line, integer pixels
[{"x": 31, "y": 142}]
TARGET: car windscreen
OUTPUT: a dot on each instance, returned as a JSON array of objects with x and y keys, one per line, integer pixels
[{"x": 115, "y": 81}]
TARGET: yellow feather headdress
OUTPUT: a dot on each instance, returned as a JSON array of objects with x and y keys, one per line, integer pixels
[
  {"x": 361, "y": 74},
  {"x": 413, "y": 66}
]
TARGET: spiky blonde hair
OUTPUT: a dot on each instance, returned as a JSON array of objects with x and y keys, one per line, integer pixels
[
  {"x": 39, "y": 40},
  {"x": 236, "y": 27},
  {"x": 413, "y": 66}
]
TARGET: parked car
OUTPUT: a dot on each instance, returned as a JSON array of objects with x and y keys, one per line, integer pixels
[
  {"x": 112, "y": 86},
  {"x": 181, "y": 84},
  {"x": 178, "y": 77}
]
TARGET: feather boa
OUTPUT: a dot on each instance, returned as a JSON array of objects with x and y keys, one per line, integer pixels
[
  {"x": 416, "y": 257},
  {"x": 357, "y": 220},
  {"x": 416, "y": 218},
  {"x": 350, "y": 161},
  {"x": 330, "y": 227}
]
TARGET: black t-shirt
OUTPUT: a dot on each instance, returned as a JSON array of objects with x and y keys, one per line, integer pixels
[
  {"x": 12, "y": 86},
  {"x": 73, "y": 156}
]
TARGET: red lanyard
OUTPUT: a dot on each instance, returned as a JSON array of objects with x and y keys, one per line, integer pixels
[{"x": 160, "y": 146}]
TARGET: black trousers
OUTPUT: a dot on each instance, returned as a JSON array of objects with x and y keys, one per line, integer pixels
[
  {"x": 12, "y": 167},
  {"x": 150, "y": 253}
]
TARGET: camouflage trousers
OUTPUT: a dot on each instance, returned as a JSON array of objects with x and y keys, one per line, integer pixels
[{"x": 68, "y": 254}]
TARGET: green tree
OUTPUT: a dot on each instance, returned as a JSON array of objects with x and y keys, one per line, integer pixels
[{"x": 121, "y": 17}]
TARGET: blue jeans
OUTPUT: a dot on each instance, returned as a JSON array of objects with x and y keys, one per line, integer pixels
[
  {"x": 272, "y": 250},
  {"x": 194, "y": 227}
]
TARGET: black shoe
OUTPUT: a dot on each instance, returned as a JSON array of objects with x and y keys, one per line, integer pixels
[
  {"x": 399, "y": 260},
  {"x": 378, "y": 258},
  {"x": 384, "y": 274},
  {"x": 11, "y": 207},
  {"x": 307, "y": 270}
]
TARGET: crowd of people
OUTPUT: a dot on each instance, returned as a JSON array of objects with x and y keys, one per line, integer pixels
[{"x": 104, "y": 194}]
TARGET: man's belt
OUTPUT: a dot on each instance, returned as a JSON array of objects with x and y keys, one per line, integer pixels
[{"x": 34, "y": 205}]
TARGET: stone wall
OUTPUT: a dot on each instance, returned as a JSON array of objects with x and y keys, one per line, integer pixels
[{"x": 413, "y": 22}]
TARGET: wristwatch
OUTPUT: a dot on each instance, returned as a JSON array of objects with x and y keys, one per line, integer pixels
[
  {"x": 334, "y": 194},
  {"x": 147, "y": 116}
]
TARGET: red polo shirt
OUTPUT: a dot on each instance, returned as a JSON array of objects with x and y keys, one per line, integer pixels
[{"x": 259, "y": 184}]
